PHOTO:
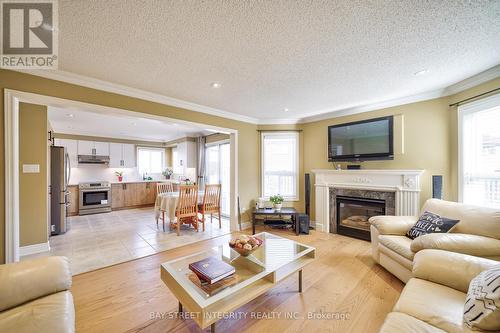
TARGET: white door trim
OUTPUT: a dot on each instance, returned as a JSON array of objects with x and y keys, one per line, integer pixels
[{"x": 11, "y": 129}]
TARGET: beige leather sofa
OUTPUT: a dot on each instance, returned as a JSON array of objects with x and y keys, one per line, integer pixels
[
  {"x": 35, "y": 296},
  {"x": 477, "y": 234},
  {"x": 433, "y": 300}
]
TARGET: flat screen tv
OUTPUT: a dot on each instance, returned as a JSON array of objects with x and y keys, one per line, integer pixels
[{"x": 361, "y": 140}]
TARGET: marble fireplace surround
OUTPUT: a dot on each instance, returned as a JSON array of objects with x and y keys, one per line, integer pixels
[{"x": 405, "y": 184}]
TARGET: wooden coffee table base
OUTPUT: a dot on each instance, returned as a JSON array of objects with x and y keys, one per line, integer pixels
[{"x": 212, "y": 326}]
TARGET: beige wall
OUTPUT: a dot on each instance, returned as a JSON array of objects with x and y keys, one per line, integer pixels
[
  {"x": 426, "y": 143},
  {"x": 169, "y": 157},
  {"x": 33, "y": 187}
]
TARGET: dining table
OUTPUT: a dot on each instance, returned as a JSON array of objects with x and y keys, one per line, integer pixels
[{"x": 166, "y": 203}]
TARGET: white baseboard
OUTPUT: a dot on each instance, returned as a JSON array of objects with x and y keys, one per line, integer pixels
[
  {"x": 319, "y": 227},
  {"x": 33, "y": 249}
]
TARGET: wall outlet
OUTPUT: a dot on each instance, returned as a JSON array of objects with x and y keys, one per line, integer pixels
[{"x": 31, "y": 168}]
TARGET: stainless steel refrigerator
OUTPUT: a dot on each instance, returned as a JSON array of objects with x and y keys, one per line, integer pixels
[{"x": 60, "y": 171}]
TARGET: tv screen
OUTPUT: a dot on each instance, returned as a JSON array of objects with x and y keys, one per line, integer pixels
[{"x": 362, "y": 140}]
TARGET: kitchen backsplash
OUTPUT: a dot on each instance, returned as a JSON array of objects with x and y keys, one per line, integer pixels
[{"x": 91, "y": 173}]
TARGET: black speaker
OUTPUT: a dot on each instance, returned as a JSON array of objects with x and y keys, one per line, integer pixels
[
  {"x": 308, "y": 192},
  {"x": 437, "y": 187},
  {"x": 304, "y": 223}
]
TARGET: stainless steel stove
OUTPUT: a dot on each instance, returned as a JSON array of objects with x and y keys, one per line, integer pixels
[{"x": 95, "y": 198}]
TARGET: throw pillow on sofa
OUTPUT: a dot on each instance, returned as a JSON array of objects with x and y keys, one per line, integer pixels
[
  {"x": 482, "y": 305},
  {"x": 430, "y": 223}
]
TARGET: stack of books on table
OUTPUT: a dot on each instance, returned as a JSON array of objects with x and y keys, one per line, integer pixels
[{"x": 211, "y": 270}]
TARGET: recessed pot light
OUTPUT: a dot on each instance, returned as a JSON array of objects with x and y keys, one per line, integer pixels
[
  {"x": 215, "y": 85},
  {"x": 69, "y": 115},
  {"x": 286, "y": 109},
  {"x": 421, "y": 72}
]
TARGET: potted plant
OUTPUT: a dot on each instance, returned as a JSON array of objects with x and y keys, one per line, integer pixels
[
  {"x": 277, "y": 201},
  {"x": 119, "y": 174},
  {"x": 168, "y": 173}
]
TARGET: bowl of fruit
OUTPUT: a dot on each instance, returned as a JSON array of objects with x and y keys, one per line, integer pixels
[{"x": 245, "y": 245}]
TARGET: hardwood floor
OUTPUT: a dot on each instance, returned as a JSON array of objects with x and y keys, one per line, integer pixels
[{"x": 343, "y": 279}]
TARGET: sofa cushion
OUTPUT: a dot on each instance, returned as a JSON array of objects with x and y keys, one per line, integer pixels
[
  {"x": 482, "y": 306},
  {"x": 473, "y": 219},
  {"x": 429, "y": 223},
  {"x": 397, "y": 322},
  {"x": 54, "y": 313},
  {"x": 398, "y": 244},
  {"x": 433, "y": 303}
]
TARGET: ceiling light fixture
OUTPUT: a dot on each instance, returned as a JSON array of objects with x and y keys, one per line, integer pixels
[
  {"x": 215, "y": 85},
  {"x": 286, "y": 109},
  {"x": 69, "y": 115},
  {"x": 421, "y": 72}
]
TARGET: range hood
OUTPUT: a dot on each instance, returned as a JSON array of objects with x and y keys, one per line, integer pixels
[{"x": 93, "y": 159}]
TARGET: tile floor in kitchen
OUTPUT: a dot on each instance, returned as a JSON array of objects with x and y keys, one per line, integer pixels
[{"x": 100, "y": 240}]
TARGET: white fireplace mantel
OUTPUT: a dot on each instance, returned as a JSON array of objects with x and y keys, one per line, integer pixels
[{"x": 405, "y": 184}]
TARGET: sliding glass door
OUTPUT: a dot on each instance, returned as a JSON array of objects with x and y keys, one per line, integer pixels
[
  {"x": 480, "y": 152},
  {"x": 218, "y": 171}
]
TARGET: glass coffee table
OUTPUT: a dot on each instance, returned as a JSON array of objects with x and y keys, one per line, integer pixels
[{"x": 273, "y": 261}]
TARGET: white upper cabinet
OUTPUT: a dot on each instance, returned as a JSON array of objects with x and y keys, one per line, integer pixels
[
  {"x": 85, "y": 147},
  {"x": 121, "y": 155},
  {"x": 71, "y": 149},
  {"x": 128, "y": 156},
  {"x": 102, "y": 148},
  {"x": 115, "y": 155},
  {"x": 93, "y": 148}
]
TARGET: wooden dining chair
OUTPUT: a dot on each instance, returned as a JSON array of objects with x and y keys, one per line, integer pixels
[
  {"x": 186, "y": 211},
  {"x": 211, "y": 203},
  {"x": 164, "y": 187}
]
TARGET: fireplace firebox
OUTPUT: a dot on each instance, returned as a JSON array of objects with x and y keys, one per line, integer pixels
[{"x": 353, "y": 214}]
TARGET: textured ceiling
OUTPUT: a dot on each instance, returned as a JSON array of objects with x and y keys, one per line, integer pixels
[
  {"x": 307, "y": 56},
  {"x": 109, "y": 125}
]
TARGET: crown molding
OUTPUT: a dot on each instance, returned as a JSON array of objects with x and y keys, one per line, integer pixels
[
  {"x": 97, "y": 84},
  {"x": 460, "y": 86},
  {"x": 89, "y": 82}
]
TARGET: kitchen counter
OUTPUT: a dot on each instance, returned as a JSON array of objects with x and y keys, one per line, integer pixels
[
  {"x": 137, "y": 181},
  {"x": 142, "y": 181}
]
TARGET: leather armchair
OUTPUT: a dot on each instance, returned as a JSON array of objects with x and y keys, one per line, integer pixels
[
  {"x": 35, "y": 296},
  {"x": 477, "y": 233},
  {"x": 433, "y": 299}
]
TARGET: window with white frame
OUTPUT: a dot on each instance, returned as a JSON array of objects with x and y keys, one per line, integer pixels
[
  {"x": 150, "y": 160},
  {"x": 479, "y": 151},
  {"x": 280, "y": 164}
]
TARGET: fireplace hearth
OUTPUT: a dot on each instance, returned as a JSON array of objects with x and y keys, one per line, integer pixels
[{"x": 352, "y": 214}]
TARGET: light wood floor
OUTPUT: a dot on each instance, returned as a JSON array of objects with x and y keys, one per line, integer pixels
[{"x": 343, "y": 279}]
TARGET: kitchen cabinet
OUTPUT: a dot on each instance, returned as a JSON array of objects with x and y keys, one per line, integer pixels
[
  {"x": 186, "y": 156},
  {"x": 71, "y": 149},
  {"x": 129, "y": 159},
  {"x": 117, "y": 196},
  {"x": 93, "y": 148},
  {"x": 72, "y": 209},
  {"x": 121, "y": 155},
  {"x": 128, "y": 195}
]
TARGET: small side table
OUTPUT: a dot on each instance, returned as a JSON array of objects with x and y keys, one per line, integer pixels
[{"x": 271, "y": 211}]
